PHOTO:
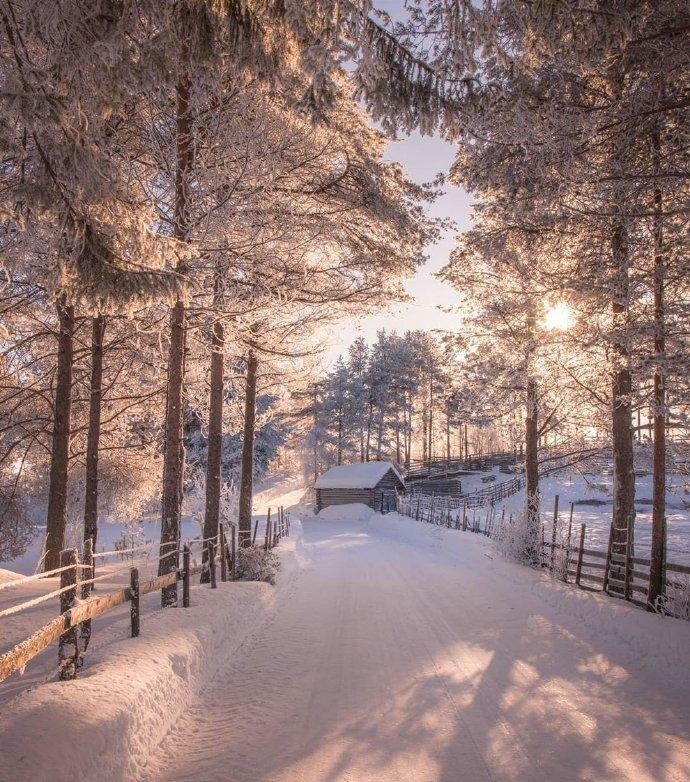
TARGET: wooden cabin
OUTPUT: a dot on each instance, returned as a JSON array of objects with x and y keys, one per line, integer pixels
[{"x": 375, "y": 484}]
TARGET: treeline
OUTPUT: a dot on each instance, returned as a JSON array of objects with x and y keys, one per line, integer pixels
[
  {"x": 406, "y": 397},
  {"x": 190, "y": 190}
]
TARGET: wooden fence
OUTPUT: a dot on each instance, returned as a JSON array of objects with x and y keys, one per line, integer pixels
[
  {"x": 479, "y": 498},
  {"x": 564, "y": 552},
  {"x": 440, "y": 467},
  {"x": 72, "y": 626},
  {"x": 563, "y": 549}
]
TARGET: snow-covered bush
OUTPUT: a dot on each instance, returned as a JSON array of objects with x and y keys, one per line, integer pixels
[
  {"x": 676, "y": 600},
  {"x": 255, "y": 564},
  {"x": 517, "y": 540}
]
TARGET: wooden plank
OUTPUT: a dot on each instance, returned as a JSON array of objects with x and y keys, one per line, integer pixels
[
  {"x": 592, "y": 577},
  {"x": 158, "y": 583},
  {"x": 95, "y": 606},
  {"x": 594, "y": 565},
  {"x": 17, "y": 657},
  {"x": 594, "y": 553},
  {"x": 678, "y": 568}
]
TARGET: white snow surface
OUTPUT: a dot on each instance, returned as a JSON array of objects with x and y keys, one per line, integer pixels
[
  {"x": 354, "y": 511},
  {"x": 390, "y": 651},
  {"x": 359, "y": 475}
]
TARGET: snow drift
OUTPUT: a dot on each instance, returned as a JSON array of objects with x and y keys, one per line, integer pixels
[{"x": 105, "y": 724}]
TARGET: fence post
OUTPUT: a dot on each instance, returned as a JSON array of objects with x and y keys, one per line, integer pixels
[
  {"x": 68, "y": 647},
  {"x": 223, "y": 552},
  {"x": 86, "y": 588},
  {"x": 134, "y": 600},
  {"x": 578, "y": 572},
  {"x": 256, "y": 528},
  {"x": 553, "y": 533},
  {"x": 268, "y": 527},
  {"x": 186, "y": 562},
  {"x": 464, "y": 517},
  {"x": 607, "y": 567},
  {"x": 212, "y": 563},
  {"x": 567, "y": 545},
  {"x": 234, "y": 554},
  {"x": 628, "y": 565}
]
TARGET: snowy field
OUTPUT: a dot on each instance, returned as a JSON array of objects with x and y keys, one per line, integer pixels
[
  {"x": 388, "y": 651},
  {"x": 591, "y": 494}
]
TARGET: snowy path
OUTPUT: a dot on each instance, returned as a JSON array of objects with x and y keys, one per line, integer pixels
[{"x": 390, "y": 656}]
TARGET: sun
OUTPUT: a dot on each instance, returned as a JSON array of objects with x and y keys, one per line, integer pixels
[{"x": 559, "y": 317}]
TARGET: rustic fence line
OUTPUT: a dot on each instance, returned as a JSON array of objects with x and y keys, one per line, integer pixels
[
  {"x": 443, "y": 467},
  {"x": 77, "y": 607},
  {"x": 488, "y": 495},
  {"x": 619, "y": 575}
]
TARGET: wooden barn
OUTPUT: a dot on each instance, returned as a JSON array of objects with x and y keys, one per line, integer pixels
[{"x": 375, "y": 484}]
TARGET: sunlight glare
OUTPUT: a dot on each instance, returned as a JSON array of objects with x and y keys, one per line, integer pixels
[{"x": 558, "y": 317}]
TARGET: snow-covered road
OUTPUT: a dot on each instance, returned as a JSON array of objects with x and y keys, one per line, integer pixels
[{"x": 404, "y": 652}]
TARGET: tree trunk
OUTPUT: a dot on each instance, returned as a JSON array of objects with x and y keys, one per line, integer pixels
[
  {"x": 621, "y": 408},
  {"x": 425, "y": 440},
  {"x": 658, "y": 552},
  {"x": 173, "y": 462},
  {"x": 408, "y": 430},
  {"x": 448, "y": 431},
  {"x": 315, "y": 424},
  {"x": 370, "y": 419},
  {"x": 56, "y": 519},
  {"x": 379, "y": 434},
  {"x": 94, "y": 433},
  {"x": 340, "y": 434},
  {"x": 431, "y": 416},
  {"x": 246, "y": 480},
  {"x": 215, "y": 437},
  {"x": 531, "y": 452}
]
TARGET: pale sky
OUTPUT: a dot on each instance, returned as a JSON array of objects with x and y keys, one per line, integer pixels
[{"x": 422, "y": 158}]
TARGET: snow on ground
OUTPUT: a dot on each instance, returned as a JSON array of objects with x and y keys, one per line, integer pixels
[
  {"x": 389, "y": 650},
  {"x": 409, "y": 652},
  {"x": 105, "y": 724},
  {"x": 111, "y": 627},
  {"x": 283, "y": 489},
  {"x": 592, "y": 496}
]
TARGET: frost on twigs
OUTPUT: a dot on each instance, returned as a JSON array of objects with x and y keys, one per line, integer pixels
[
  {"x": 676, "y": 599},
  {"x": 255, "y": 564},
  {"x": 517, "y": 539}
]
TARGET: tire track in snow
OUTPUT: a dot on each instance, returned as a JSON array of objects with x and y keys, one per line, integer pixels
[{"x": 328, "y": 687}]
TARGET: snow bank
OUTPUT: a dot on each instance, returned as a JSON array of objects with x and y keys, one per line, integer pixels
[
  {"x": 355, "y": 511},
  {"x": 658, "y": 644},
  {"x": 105, "y": 724},
  {"x": 8, "y": 575}
]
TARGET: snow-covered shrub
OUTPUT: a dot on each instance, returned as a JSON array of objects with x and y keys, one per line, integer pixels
[
  {"x": 517, "y": 540},
  {"x": 130, "y": 538},
  {"x": 255, "y": 564},
  {"x": 676, "y": 600}
]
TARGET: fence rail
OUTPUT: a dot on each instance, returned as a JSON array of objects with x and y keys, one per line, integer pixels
[
  {"x": 478, "y": 498},
  {"x": 563, "y": 553},
  {"x": 72, "y": 626},
  {"x": 446, "y": 468}
]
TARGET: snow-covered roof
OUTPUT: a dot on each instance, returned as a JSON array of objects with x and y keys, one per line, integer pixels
[{"x": 360, "y": 475}]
